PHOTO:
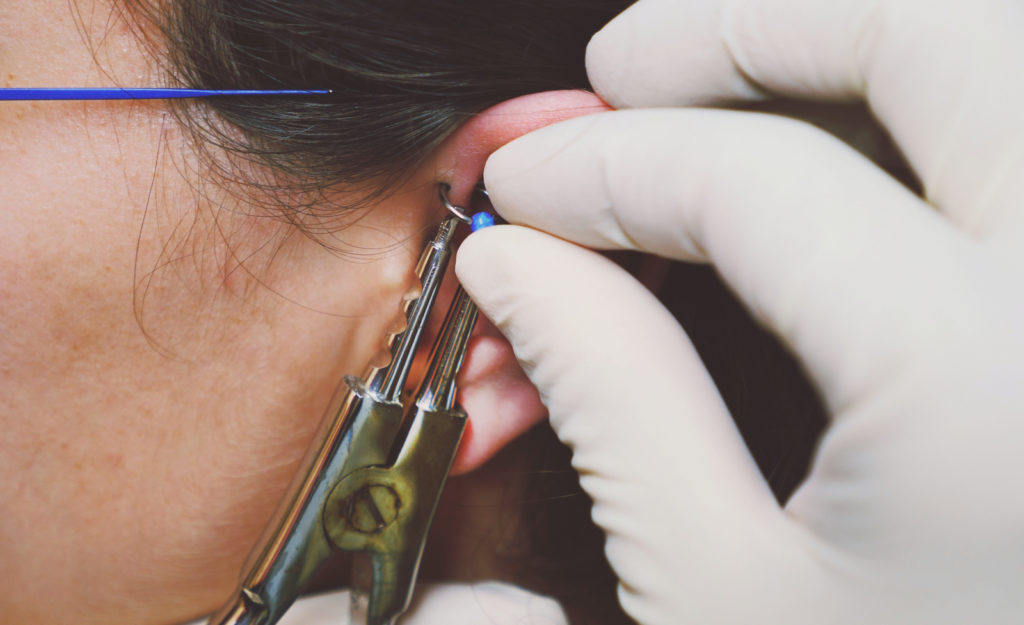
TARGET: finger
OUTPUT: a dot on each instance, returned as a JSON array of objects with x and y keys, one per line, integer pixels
[
  {"x": 942, "y": 76},
  {"x": 827, "y": 250},
  {"x": 451, "y": 604},
  {"x": 484, "y": 602},
  {"x": 672, "y": 482}
]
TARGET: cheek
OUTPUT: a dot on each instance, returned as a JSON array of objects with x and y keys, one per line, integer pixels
[{"x": 67, "y": 235}]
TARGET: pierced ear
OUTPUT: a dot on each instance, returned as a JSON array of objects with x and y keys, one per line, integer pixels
[
  {"x": 501, "y": 401},
  {"x": 461, "y": 158}
]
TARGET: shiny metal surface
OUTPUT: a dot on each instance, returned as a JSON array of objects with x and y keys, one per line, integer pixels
[
  {"x": 372, "y": 478},
  {"x": 294, "y": 547},
  {"x": 388, "y": 382},
  {"x": 437, "y": 391},
  {"x": 385, "y": 513},
  {"x": 458, "y": 211}
]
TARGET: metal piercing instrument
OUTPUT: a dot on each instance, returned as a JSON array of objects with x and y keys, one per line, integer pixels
[{"x": 371, "y": 481}]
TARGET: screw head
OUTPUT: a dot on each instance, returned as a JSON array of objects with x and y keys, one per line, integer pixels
[{"x": 371, "y": 508}]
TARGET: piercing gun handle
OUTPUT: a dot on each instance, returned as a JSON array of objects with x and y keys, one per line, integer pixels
[
  {"x": 293, "y": 548},
  {"x": 384, "y": 514},
  {"x": 358, "y": 430}
]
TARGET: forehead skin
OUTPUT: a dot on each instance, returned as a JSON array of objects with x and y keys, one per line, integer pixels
[{"x": 48, "y": 42}]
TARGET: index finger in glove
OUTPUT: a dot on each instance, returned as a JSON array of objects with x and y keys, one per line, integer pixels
[
  {"x": 941, "y": 76},
  {"x": 673, "y": 485},
  {"x": 451, "y": 604},
  {"x": 822, "y": 246}
]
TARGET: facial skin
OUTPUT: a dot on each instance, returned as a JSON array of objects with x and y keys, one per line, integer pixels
[
  {"x": 163, "y": 357},
  {"x": 166, "y": 349}
]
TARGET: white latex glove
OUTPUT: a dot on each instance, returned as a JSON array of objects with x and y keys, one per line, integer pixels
[
  {"x": 908, "y": 313},
  {"x": 484, "y": 603}
]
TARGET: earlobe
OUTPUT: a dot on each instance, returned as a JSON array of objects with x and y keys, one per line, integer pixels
[{"x": 501, "y": 401}]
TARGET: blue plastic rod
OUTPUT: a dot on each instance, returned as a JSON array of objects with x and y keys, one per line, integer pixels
[{"x": 134, "y": 93}]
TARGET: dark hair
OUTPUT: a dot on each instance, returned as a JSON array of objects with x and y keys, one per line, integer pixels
[{"x": 405, "y": 74}]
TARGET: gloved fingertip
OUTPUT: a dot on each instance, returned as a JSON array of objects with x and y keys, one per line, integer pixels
[
  {"x": 507, "y": 269},
  {"x": 481, "y": 257},
  {"x": 604, "y": 59},
  {"x": 483, "y": 602},
  {"x": 517, "y": 175}
]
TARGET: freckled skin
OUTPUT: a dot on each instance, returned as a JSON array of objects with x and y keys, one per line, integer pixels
[
  {"x": 166, "y": 351},
  {"x": 156, "y": 396}
]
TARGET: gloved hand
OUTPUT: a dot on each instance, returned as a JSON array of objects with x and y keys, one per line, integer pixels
[
  {"x": 493, "y": 603},
  {"x": 907, "y": 312}
]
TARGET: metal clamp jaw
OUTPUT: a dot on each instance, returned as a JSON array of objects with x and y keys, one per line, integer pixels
[
  {"x": 384, "y": 513},
  {"x": 371, "y": 481}
]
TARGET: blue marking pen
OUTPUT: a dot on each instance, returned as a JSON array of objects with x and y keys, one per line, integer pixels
[{"x": 143, "y": 93}]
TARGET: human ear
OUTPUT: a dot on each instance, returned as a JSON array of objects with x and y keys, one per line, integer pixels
[
  {"x": 500, "y": 400},
  {"x": 460, "y": 159}
]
